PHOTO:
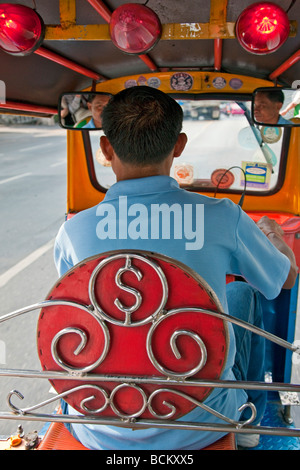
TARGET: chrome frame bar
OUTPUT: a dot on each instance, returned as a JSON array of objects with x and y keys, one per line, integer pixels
[
  {"x": 234, "y": 384},
  {"x": 142, "y": 423}
]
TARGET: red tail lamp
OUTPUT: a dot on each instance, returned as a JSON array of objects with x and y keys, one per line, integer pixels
[
  {"x": 21, "y": 29},
  {"x": 262, "y": 28},
  {"x": 134, "y": 28}
]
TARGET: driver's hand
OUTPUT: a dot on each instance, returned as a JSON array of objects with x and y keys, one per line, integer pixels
[{"x": 268, "y": 225}]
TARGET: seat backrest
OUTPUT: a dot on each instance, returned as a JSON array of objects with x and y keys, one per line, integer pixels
[{"x": 125, "y": 325}]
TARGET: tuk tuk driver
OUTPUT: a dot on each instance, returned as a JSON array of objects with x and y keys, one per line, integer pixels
[
  {"x": 142, "y": 127},
  {"x": 267, "y": 106},
  {"x": 96, "y": 105}
]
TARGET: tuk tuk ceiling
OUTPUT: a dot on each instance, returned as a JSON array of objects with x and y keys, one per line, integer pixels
[{"x": 196, "y": 34}]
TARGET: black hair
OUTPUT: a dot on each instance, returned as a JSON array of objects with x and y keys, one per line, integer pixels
[
  {"x": 276, "y": 96},
  {"x": 142, "y": 124},
  {"x": 91, "y": 96}
]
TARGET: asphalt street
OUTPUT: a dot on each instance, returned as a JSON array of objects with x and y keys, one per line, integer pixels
[{"x": 32, "y": 208}]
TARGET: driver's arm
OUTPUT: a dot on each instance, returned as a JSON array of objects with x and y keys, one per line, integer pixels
[{"x": 275, "y": 234}]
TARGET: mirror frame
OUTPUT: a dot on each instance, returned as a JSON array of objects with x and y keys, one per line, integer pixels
[
  {"x": 295, "y": 123},
  {"x": 83, "y": 95}
]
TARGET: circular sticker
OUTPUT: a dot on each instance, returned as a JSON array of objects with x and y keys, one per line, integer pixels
[
  {"x": 154, "y": 82},
  {"x": 222, "y": 178},
  {"x": 130, "y": 83},
  {"x": 184, "y": 174},
  {"x": 270, "y": 135},
  {"x": 100, "y": 158},
  {"x": 142, "y": 81},
  {"x": 235, "y": 83},
  {"x": 181, "y": 81},
  {"x": 219, "y": 82}
]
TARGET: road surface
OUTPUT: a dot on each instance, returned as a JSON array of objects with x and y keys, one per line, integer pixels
[{"x": 32, "y": 208}]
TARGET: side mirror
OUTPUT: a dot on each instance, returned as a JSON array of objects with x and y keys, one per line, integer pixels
[
  {"x": 82, "y": 110},
  {"x": 276, "y": 107}
]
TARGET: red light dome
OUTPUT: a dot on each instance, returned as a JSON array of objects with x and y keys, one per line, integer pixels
[
  {"x": 134, "y": 28},
  {"x": 262, "y": 28},
  {"x": 21, "y": 29}
]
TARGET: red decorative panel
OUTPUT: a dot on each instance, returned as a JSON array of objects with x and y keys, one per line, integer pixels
[{"x": 134, "y": 315}]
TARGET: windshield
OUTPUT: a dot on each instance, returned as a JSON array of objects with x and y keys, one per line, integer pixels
[{"x": 223, "y": 149}]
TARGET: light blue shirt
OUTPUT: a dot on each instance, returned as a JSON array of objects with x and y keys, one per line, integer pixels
[
  {"x": 282, "y": 120},
  {"x": 89, "y": 125},
  {"x": 215, "y": 238}
]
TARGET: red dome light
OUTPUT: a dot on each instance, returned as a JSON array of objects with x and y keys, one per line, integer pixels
[
  {"x": 262, "y": 28},
  {"x": 21, "y": 29},
  {"x": 134, "y": 28}
]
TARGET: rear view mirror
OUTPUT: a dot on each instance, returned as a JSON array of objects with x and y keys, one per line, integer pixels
[
  {"x": 82, "y": 110},
  {"x": 276, "y": 106}
]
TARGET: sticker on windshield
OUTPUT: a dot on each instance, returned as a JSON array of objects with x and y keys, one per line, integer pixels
[
  {"x": 184, "y": 173},
  {"x": 130, "y": 83},
  {"x": 181, "y": 81},
  {"x": 101, "y": 159},
  {"x": 142, "y": 81},
  {"x": 219, "y": 82},
  {"x": 257, "y": 175},
  {"x": 154, "y": 82},
  {"x": 235, "y": 83},
  {"x": 222, "y": 178},
  {"x": 270, "y": 135}
]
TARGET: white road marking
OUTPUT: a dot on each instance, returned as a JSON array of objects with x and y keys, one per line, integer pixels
[
  {"x": 24, "y": 263},
  {"x": 12, "y": 178},
  {"x": 35, "y": 147},
  {"x": 57, "y": 164}
]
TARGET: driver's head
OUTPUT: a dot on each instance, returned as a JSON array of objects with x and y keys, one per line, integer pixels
[
  {"x": 142, "y": 125},
  {"x": 96, "y": 105},
  {"x": 267, "y": 106}
]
